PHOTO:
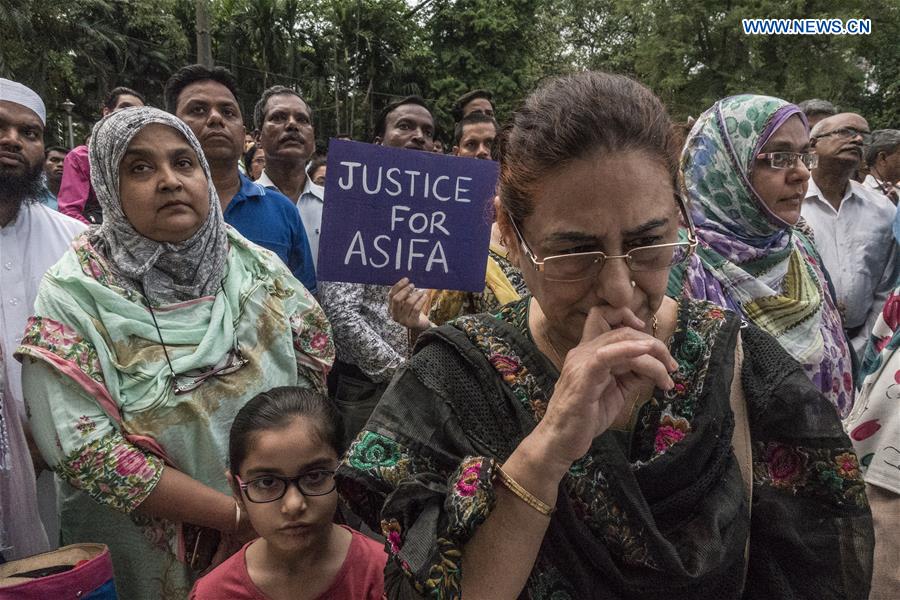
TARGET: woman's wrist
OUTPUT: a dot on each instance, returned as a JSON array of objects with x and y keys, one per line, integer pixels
[{"x": 536, "y": 451}]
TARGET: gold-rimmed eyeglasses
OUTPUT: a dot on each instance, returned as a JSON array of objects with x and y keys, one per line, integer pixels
[{"x": 581, "y": 266}]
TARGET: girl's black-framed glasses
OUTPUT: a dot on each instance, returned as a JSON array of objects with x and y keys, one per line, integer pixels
[{"x": 269, "y": 488}]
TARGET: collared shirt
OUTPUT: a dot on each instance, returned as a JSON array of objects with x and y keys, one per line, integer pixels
[
  {"x": 310, "y": 204},
  {"x": 365, "y": 335},
  {"x": 267, "y": 218},
  {"x": 882, "y": 187},
  {"x": 29, "y": 245},
  {"x": 48, "y": 199},
  {"x": 857, "y": 246}
]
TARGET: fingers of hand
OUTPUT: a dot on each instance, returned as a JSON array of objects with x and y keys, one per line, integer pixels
[
  {"x": 608, "y": 345},
  {"x": 397, "y": 287},
  {"x": 595, "y": 325},
  {"x": 646, "y": 367}
]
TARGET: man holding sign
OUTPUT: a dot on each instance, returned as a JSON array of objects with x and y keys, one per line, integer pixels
[{"x": 391, "y": 214}]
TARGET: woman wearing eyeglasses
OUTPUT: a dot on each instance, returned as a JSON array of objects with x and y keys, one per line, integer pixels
[
  {"x": 597, "y": 439},
  {"x": 745, "y": 168},
  {"x": 148, "y": 337}
]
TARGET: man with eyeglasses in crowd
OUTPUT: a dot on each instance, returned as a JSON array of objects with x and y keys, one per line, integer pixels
[
  {"x": 852, "y": 225},
  {"x": 883, "y": 160}
]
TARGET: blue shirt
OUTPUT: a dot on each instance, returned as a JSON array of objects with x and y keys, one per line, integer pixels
[
  {"x": 267, "y": 218},
  {"x": 48, "y": 199}
]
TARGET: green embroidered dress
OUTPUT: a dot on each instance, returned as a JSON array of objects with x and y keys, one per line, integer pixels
[
  {"x": 659, "y": 512},
  {"x": 101, "y": 402}
]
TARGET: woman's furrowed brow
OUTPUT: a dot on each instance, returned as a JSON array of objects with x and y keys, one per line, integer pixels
[{"x": 646, "y": 227}]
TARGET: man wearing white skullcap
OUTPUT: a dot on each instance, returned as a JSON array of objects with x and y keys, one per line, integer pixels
[{"x": 32, "y": 239}]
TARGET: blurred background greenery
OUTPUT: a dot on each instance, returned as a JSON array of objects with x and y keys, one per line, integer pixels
[{"x": 350, "y": 57}]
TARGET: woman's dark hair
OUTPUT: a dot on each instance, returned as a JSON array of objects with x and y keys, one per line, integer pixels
[
  {"x": 572, "y": 117},
  {"x": 248, "y": 157},
  {"x": 276, "y": 409}
]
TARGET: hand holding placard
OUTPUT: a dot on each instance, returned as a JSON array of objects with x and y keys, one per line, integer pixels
[{"x": 392, "y": 213}]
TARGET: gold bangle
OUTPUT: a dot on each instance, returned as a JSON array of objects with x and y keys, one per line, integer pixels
[{"x": 524, "y": 495}]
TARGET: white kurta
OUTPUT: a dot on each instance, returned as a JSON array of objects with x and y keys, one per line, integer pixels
[
  {"x": 856, "y": 243},
  {"x": 29, "y": 245}
]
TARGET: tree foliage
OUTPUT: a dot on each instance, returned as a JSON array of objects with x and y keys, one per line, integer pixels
[{"x": 351, "y": 57}]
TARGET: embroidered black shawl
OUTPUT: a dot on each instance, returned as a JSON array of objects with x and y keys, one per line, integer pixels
[{"x": 659, "y": 512}]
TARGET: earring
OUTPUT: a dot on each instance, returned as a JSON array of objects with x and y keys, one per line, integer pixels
[{"x": 633, "y": 283}]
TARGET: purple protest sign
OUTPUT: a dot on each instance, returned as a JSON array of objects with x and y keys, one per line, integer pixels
[{"x": 392, "y": 213}]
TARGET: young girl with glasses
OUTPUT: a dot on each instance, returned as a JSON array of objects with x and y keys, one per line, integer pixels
[{"x": 284, "y": 447}]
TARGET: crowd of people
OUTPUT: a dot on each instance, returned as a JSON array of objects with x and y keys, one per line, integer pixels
[{"x": 678, "y": 381}]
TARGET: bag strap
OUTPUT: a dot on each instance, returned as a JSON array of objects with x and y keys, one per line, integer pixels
[{"x": 740, "y": 438}]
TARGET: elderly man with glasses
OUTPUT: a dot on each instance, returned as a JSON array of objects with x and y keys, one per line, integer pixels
[{"x": 852, "y": 224}]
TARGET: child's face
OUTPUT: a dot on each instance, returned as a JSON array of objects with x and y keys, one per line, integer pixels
[{"x": 296, "y": 522}]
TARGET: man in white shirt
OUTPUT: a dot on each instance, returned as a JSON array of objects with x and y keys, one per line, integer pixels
[
  {"x": 32, "y": 239},
  {"x": 852, "y": 225},
  {"x": 883, "y": 160},
  {"x": 288, "y": 138}
]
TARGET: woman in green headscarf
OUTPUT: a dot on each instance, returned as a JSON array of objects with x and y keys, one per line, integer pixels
[
  {"x": 148, "y": 336},
  {"x": 745, "y": 168}
]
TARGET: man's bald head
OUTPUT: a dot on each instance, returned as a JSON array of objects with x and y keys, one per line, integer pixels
[
  {"x": 839, "y": 141},
  {"x": 839, "y": 121}
]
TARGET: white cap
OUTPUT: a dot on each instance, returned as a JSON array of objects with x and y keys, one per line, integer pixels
[{"x": 13, "y": 91}]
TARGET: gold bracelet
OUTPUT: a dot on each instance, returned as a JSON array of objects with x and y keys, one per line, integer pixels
[{"x": 523, "y": 494}]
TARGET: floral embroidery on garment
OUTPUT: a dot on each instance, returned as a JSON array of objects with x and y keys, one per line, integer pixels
[
  {"x": 94, "y": 266},
  {"x": 590, "y": 491},
  {"x": 671, "y": 431},
  {"x": 444, "y": 577},
  {"x": 664, "y": 424},
  {"x": 382, "y": 458},
  {"x": 113, "y": 472},
  {"x": 313, "y": 342},
  {"x": 390, "y": 529},
  {"x": 85, "y": 425},
  {"x": 472, "y": 496},
  {"x": 63, "y": 341},
  {"x": 831, "y": 474}
]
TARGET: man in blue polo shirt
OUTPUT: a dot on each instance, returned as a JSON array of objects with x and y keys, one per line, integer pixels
[{"x": 206, "y": 99}]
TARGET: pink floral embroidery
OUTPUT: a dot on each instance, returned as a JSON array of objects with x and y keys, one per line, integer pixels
[
  {"x": 319, "y": 341},
  {"x": 113, "y": 472},
  {"x": 507, "y": 366},
  {"x": 671, "y": 431},
  {"x": 391, "y": 531},
  {"x": 467, "y": 484},
  {"x": 63, "y": 341},
  {"x": 847, "y": 465},
  {"x": 785, "y": 465},
  {"x": 666, "y": 436},
  {"x": 58, "y": 334}
]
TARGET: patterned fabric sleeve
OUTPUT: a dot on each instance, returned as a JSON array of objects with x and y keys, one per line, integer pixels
[
  {"x": 313, "y": 344},
  {"x": 82, "y": 445},
  {"x": 426, "y": 497},
  {"x": 364, "y": 332}
]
